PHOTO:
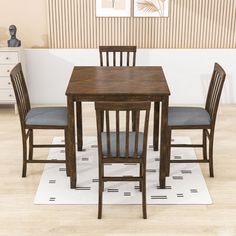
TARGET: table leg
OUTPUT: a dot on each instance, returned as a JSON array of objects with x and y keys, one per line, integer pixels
[
  {"x": 156, "y": 125},
  {"x": 164, "y": 144},
  {"x": 71, "y": 141},
  {"x": 79, "y": 126}
]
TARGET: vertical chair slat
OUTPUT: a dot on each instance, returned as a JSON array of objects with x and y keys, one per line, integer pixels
[
  {"x": 114, "y": 58},
  {"x": 127, "y": 134},
  {"x": 121, "y": 58},
  {"x": 107, "y": 55},
  {"x": 217, "y": 96},
  {"x": 108, "y": 134},
  {"x": 127, "y": 58},
  {"x": 134, "y": 58},
  {"x": 215, "y": 92},
  {"x": 117, "y": 134},
  {"x": 101, "y": 59},
  {"x": 23, "y": 94},
  {"x": 137, "y": 114}
]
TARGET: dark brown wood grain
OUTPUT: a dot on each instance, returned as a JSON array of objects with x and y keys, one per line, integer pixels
[
  {"x": 120, "y": 83},
  {"x": 136, "y": 157},
  {"x": 23, "y": 104},
  {"x": 212, "y": 104},
  {"x": 118, "y": 51},
  {"x": 127, "y": 84}
]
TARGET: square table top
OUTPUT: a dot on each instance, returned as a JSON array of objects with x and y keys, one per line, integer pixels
[{"x": 117, "y": 83}]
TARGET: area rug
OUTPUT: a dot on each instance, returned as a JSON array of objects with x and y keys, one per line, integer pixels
[{"x": 185, "y": 185}]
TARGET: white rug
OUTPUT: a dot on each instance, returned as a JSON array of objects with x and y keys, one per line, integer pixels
[{"x": 185, "y": 185}]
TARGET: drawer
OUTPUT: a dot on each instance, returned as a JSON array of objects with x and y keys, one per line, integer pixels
[
  {"x": 5, "y": 83},
  {"x": 5, "y": 70},
  {"x": 7, "y": 95},
  {"x": 8, "y": 57}
]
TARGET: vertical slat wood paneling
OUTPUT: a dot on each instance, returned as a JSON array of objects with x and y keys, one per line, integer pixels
[{"x": 191, "y": 24}]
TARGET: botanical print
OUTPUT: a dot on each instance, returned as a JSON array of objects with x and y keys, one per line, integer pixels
[
  {"x": 151, "y": 8},
  {"x": 113, "y": 8}
]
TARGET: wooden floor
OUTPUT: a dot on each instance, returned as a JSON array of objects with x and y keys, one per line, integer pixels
[{"x": 20, "y": 217}]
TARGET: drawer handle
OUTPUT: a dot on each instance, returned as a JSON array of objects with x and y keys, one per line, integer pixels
[
  {"x": 7, "y": 58},
  {"x": 8, "y": 70},
  {"x": 9, "y": 83},
  {"x": 10, "y": 95}
]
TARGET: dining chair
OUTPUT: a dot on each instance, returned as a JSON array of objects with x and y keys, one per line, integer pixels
[
  {"x": 204, "y": 119},
  {"x": 120, "y": 55},
  {"x": 36, "y": 118},
  {"x": 122, "y": 145}
]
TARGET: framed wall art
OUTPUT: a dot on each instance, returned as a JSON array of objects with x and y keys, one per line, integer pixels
[
  {"x": 151, "y": 8},
  {"x": 113, "y": 8}
]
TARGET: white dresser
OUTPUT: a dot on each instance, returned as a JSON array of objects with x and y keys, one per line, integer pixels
[{"x": 9, "y": 57}]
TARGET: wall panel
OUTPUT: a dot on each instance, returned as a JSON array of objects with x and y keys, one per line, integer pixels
[{"x": 191, "y": 24}]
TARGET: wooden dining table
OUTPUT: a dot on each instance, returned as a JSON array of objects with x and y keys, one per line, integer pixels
[{"x": 140, "y": 83}]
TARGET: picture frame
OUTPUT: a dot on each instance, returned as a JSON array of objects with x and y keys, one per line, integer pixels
[
  {"x": 113, "y": 8},
  {"x": 151, "y": 8}
]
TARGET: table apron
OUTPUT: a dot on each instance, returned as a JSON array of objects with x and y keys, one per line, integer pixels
[{"x": 109, "y": 98}]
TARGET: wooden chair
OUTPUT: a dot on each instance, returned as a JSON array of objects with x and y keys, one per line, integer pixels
[
  {"x": 36, "y": 118},
  {"x": 124, "y": 52},
  {"x": 118, "y": 52},
  {"x": 198, "y": 118},
  {"x": 122, "y": 146}
]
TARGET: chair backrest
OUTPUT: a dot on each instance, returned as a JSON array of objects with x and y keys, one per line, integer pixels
[
  {"x": 214, "y": 91},
  {"x": 21, "y": 92},
  {"x": 123, "y": 52},
  {"x": 127, "y": 108}
]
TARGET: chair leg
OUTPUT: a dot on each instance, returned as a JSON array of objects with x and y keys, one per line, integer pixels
[
  {"x": 141, "y": 175},
  {"x": 100, "y": 192},
  {"x": 24, "y": 169},
  {"x": 31, "y": 142},
  {"x": 144, "y": 192},
  {"x": 66, "y": 153},
  {"x": 204, "y": 142},
  {"x": 211, "y": 140},
  {"x": 169, "y": 152}
]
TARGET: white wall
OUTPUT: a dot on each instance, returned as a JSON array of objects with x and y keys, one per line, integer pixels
[{"x": 187, "y": 71}]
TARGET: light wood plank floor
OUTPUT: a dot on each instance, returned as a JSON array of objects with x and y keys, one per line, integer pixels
[{"x": 20, "y": 217}]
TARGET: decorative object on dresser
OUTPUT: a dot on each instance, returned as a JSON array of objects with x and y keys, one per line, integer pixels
[
  {"x": 13, "y": 41},
  {"x": 9, "y": 57}
]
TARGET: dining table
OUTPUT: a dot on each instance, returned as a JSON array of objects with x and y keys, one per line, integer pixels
[{"x": 123, "y": 84}]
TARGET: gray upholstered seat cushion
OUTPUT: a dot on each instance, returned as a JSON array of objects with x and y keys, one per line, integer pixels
[
  {"x": 122, "y": 143},
  {"x": 47, "y": 116},
  {"x": 188, "y": 116}
]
